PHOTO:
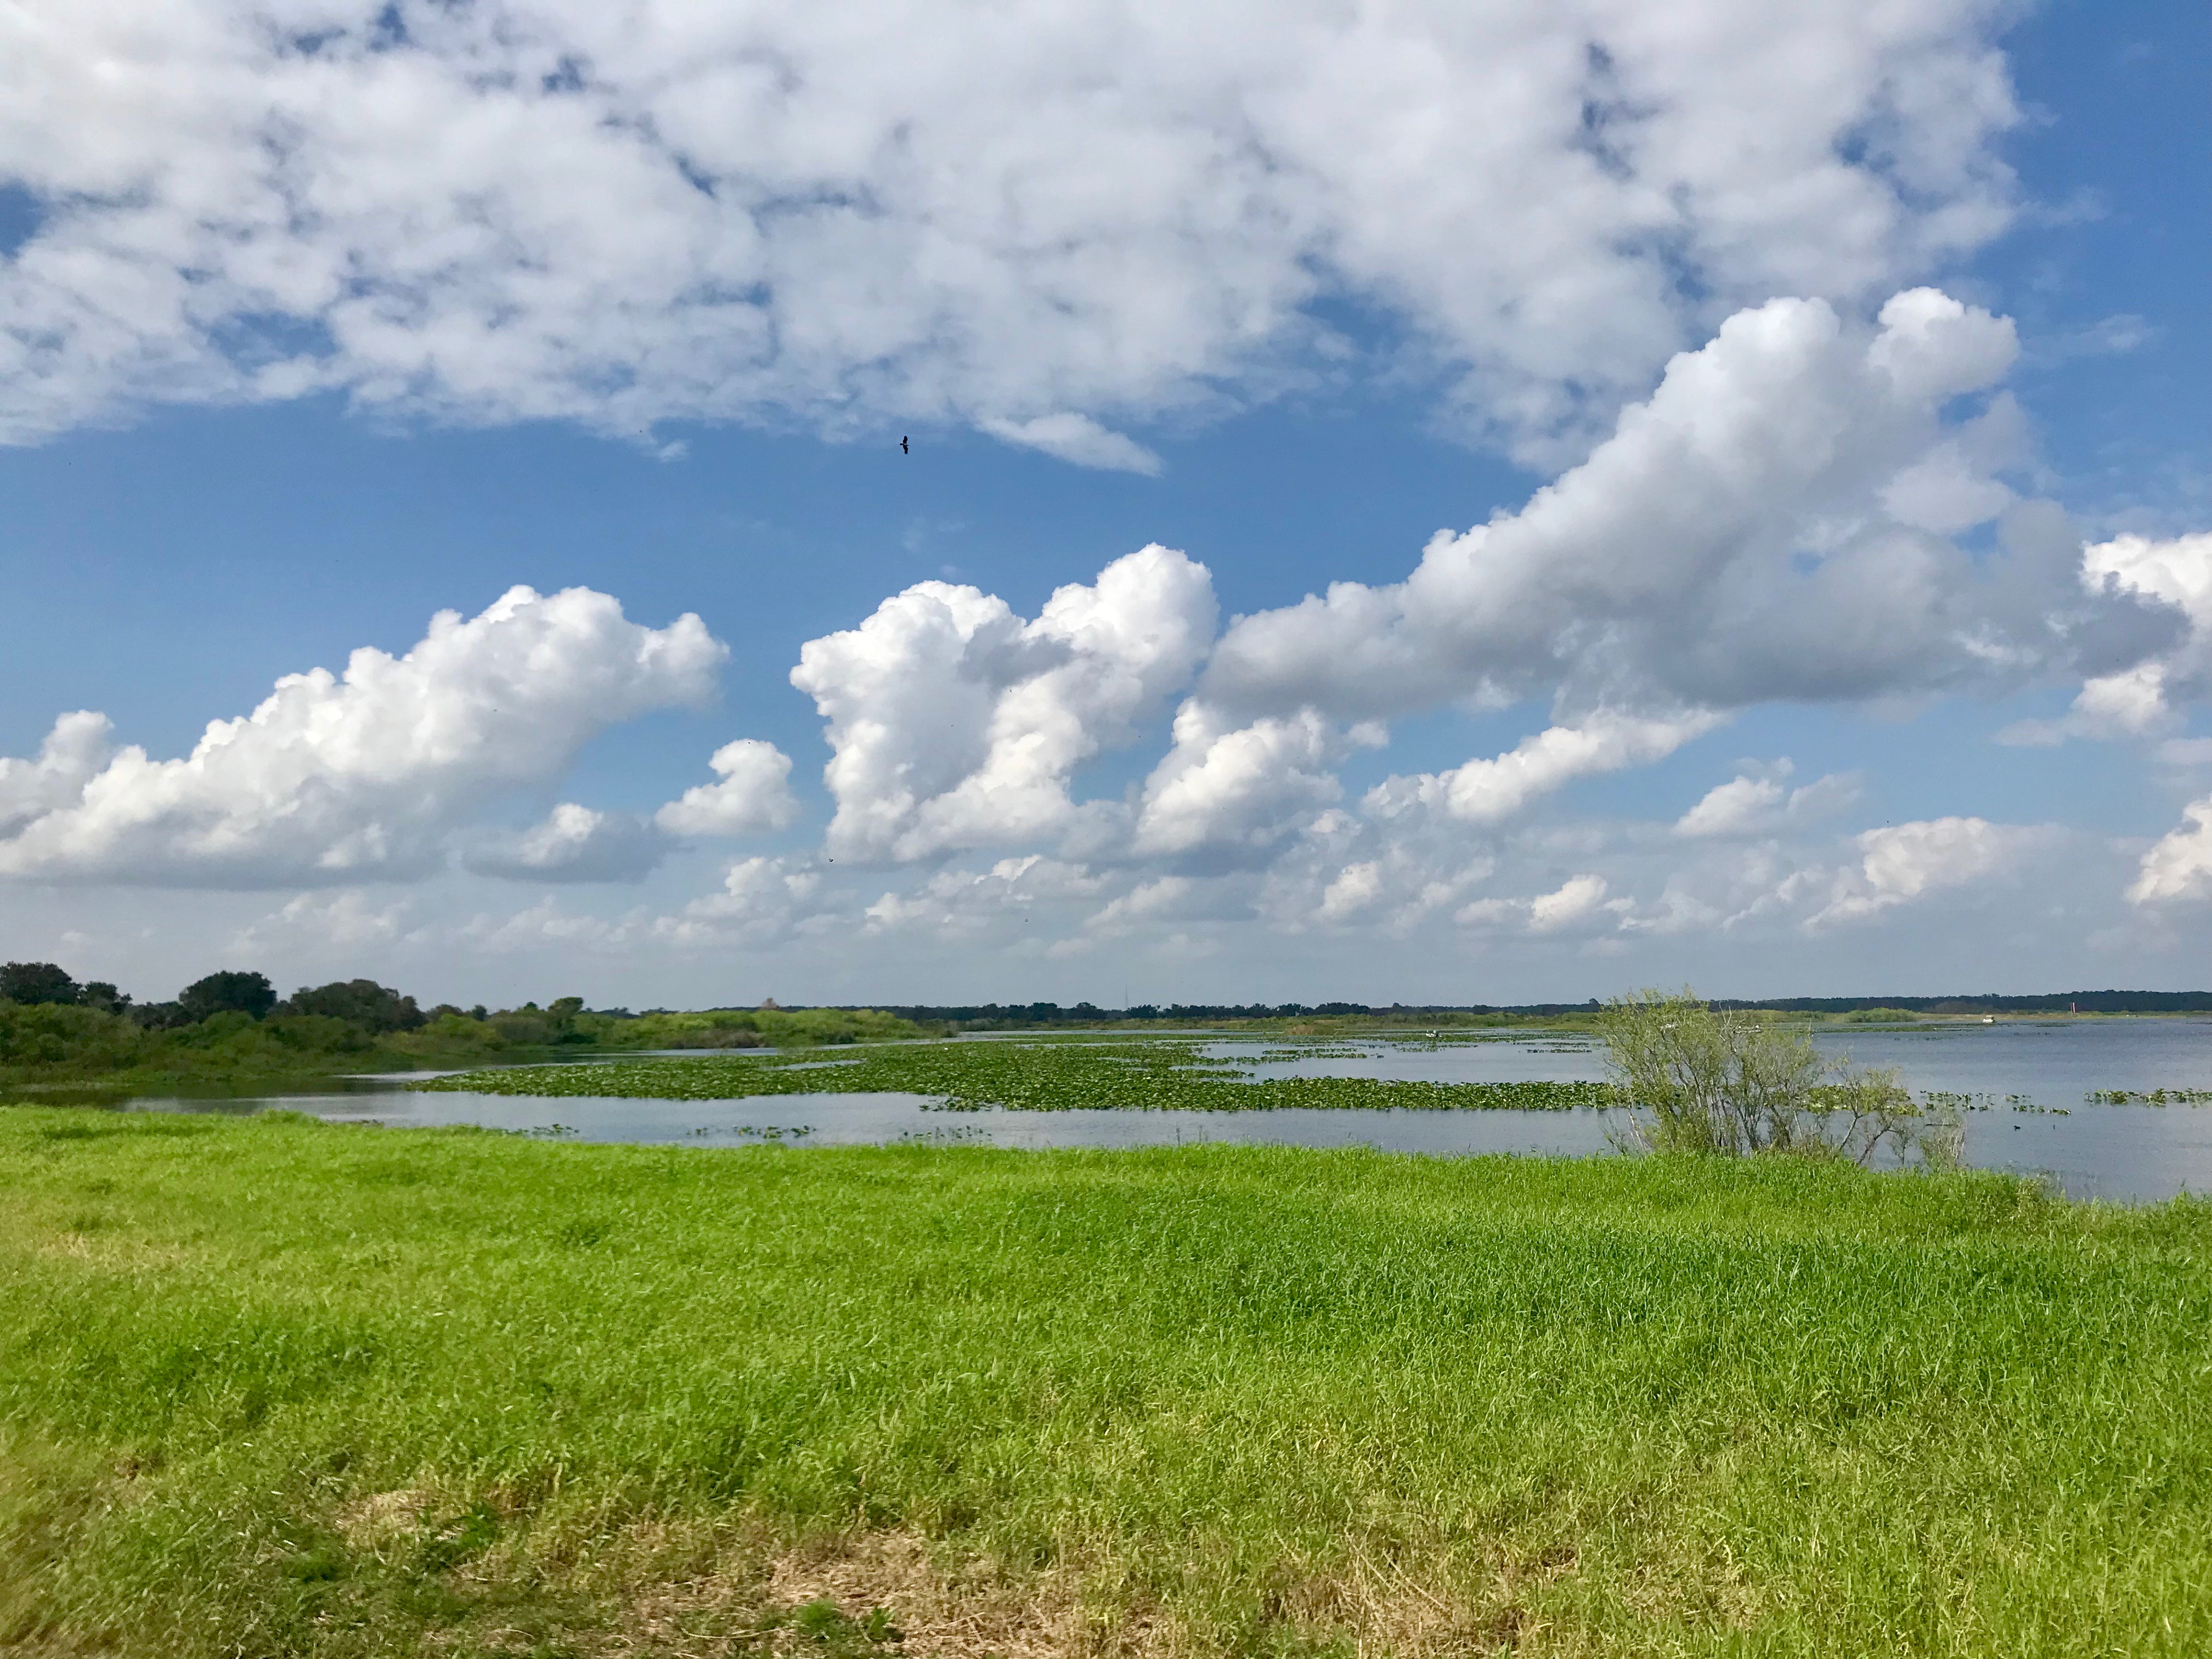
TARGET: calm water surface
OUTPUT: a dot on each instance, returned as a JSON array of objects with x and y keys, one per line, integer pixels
[{"x": 2029, "y": 1077}]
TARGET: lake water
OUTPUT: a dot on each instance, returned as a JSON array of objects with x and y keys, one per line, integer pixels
[{"x": 2027, "y": 1078}]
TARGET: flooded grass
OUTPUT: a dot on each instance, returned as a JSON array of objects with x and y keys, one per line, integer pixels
[{"x": 270, "y": 1387}]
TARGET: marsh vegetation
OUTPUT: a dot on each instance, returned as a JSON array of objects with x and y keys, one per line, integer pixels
[
  {"x": 230, "y": 1030},
  {"x": 1044, "y": 1076}
]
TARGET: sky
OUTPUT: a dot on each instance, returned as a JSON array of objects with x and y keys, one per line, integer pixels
[{"x": 1429, "y": 502}]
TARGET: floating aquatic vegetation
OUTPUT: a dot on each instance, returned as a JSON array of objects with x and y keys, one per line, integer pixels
[
  {"x": 1986, "y": 1103},
  {"x": 1318, "y": 1051},
  {"x": 2154, "y": 1097},
  {"x": 1020, "y": 1076}
]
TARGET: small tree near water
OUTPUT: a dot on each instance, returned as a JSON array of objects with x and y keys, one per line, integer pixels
[{"x": 1697, "y": 1078}]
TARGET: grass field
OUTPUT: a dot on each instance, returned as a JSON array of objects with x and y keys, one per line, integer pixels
[{"x": 273, "y": 1388}]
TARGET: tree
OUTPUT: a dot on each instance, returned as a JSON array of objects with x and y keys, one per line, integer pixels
[
  {"x": 35, "y": 982},
  {"x": 1699, "y": 1079},
  {"x": 98, "y": 993},
  {"x": 226, "y": 993},
  {"x": 362, "y": 1002}
]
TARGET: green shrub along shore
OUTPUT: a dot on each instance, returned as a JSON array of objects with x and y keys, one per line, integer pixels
[
  {"x": 228, "y": 1033},
  {"x": 271, "y": 1386}
]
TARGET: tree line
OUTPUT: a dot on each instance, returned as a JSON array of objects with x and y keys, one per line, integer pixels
[{"x": 375, "y": 1009}]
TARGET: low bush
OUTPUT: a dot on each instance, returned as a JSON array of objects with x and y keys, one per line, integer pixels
[{"x": 1735, "y": 1082}]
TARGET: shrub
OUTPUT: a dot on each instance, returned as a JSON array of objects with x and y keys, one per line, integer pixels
[
  {"x": 57, "y": 1034},
  {"x": 1728, "y": 1082},
  {"x": 316, "y": 1033}
]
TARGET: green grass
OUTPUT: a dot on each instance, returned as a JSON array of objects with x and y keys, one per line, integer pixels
[
  {"x": 1057, "y": 1075},
  {"x": 269, "y": 1387}
]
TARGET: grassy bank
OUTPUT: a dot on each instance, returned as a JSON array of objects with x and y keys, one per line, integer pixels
[{"x": 268, "y": 1387}]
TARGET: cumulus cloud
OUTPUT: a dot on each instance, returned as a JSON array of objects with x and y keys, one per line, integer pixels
[
  {"x": 1235, "y": 791},
  {"x": 1577, "y": 902},
  {"x": 1770, "y": 525},
  {"x": 2146, "y": 699},
  {"x": 956, "y": 724},
  {"x": 1022, "y": 215},
  {"x": 966, "y": 901},
  {"x": 311, "y": 923},
  {"x": 760, "y": 899},
  {"x": 335, "y": 779},
  {"x": 1491, "y": 791},
  {"x": 1750, "y": 804},
  {"x": 1901, "y": 863},
  {"x": 572, "y": 843},
  {"x": 753, "y": 794},
  {"x": 74, "y": 752},
  {"x": 2179, "y": 866},
  {"x": 582, "y": 843},
  {"x": 1729, "y": 544}
]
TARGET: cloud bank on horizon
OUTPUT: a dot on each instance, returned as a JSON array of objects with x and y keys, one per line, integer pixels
[{"x": 1674, "y": 256}]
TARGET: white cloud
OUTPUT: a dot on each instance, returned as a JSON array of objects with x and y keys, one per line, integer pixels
[
  {"x": 503, "y": 210},
  {"x": 1239, "y": 791},
  {"x": 1753, "y": 805},
  {"x": 1901, "y": 863},
  {"x": 572, "y": 843},
  {"x": 2143, "y": 699},
  {"x": 338, "y": 779},
  {"x": 1728, "y": 545},
  {"x": 1577, "y": 902},
  {"x": 1758, "y": 530},
  {"x": 311, "y": 923},
  {"x": 2179, "y": 867},
  {"x": 761, "y": 899},
  {"x": 963, "y": 901},
  {"x": 1577, "y": 899},
  {"x": 73, "y": 753},
  {"x": 1078, "y": 438},
  {"x": 754, "y": 794},
  {"x": 955, "y": 724},
  {"x": 1486, "y": 792}
]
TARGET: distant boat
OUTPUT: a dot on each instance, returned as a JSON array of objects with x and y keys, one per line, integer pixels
[{"x": 1989, "y": 1020}]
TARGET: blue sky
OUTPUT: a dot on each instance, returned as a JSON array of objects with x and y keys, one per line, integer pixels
[{"x": 244, "y": 442}]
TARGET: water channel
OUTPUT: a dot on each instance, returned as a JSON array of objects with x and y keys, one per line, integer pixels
[{"x": 2027, "y": 1081}]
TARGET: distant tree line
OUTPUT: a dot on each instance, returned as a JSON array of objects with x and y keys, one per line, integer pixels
[
  {"x": 1019, "y": 1015},
  {"x": 232, "y": 1024},
  {"x": 377, "y": 1011},
  {"x": 2057, "y": 1002},
  {"x": 374, "y": 1008},
  {"x": 998, "y": 1015}
]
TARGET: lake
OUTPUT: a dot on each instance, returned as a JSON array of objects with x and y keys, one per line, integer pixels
[{"x": 2027, "y": 1079}]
